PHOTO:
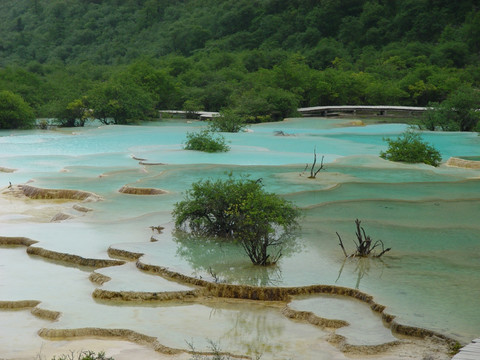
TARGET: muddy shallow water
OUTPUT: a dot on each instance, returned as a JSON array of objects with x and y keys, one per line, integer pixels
[{"x": 430, "y": 279}]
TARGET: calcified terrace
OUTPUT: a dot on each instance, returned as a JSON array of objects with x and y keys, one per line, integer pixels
[
  {"x": 205, "y": 291},
  {"x": 104, "y": 262},
  {"x": 202, "y": 291}
]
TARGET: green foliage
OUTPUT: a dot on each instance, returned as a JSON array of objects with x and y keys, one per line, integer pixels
[
  {"x": 120, "y": 101},
  {"x": 14, "y": 111},
  {"x": 207, "y": 141},
  {"x": 240, "y": 209},
  {"x": 26, "y": 84},
  {"x": 410, "y": 148},
  {"x": 325, "y": 52},
  {"x": 459, "y": 112},
  {"x": 75, "y": 113},
  {"x": 192, "y": 107},
  {"x": 437, "y": 118},
  {"x": 266, "y": 103},
  {"x": 113, "y": 32},
  {"x": 157, "y": 82},
  {"x": 228, "y": 121},
  {"x": 206, "y": 208}
]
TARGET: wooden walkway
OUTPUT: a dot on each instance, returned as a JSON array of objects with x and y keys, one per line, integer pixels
[
  {"x": 202, "y": 115},
  {"x": 317, "y": 110},
  {"x": 320, "y": 110},
  {"x": 469, "y": 352},
  {"x": 380, "y": 109}
]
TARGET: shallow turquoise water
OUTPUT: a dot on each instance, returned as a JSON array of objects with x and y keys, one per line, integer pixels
[{"x": 429, "y": 216}]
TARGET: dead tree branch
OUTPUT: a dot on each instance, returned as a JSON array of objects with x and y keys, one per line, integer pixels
[
  {"x": 314, "y": 173},
  {"x": 364, "y": 244},
  {"x": 341, "y": 245}
]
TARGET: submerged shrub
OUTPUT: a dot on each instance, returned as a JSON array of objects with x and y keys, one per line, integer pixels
[
  {"x": 240, "y": 209},
  {"x": 207, "y": 141},
  {"x": 409, "y": 147}
]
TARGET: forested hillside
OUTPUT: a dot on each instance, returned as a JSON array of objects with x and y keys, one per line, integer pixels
[
  {"x": 118, "y": 31},
  {"x": 262, "y": 58}
]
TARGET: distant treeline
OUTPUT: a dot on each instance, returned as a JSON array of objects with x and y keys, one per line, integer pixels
[{"x": 264, "y": 58}]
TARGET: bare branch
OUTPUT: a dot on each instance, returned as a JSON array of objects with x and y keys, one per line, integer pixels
[
  {"x": 312, "y": 176},
  {"x": 313, "y": 172},
  {"x": 321, "y": 166},
  {"x": 341, "y": 244},
  {"x": 383, "y": 252}
]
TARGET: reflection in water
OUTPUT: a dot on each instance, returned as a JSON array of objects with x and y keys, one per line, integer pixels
[
  {"x": 220, "y": 260},
  {"x": 258, "y": 330},
  {"x": 363, "y": 265},
  {"x": 260, "y": 326}
]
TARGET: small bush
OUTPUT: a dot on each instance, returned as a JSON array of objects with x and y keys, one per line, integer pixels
[
  {"x": 207, "y": 141},
  {"x": 409, "y": 147}
]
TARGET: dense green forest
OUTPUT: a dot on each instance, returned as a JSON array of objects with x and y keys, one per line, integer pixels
[{"x": 120, "y": 60}]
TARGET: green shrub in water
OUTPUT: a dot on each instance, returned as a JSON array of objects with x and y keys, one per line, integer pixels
[
  {"x": 409, "y": 147},
  {"x": 240, "y": 209},
  {"x": 207, "y": 141}
]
